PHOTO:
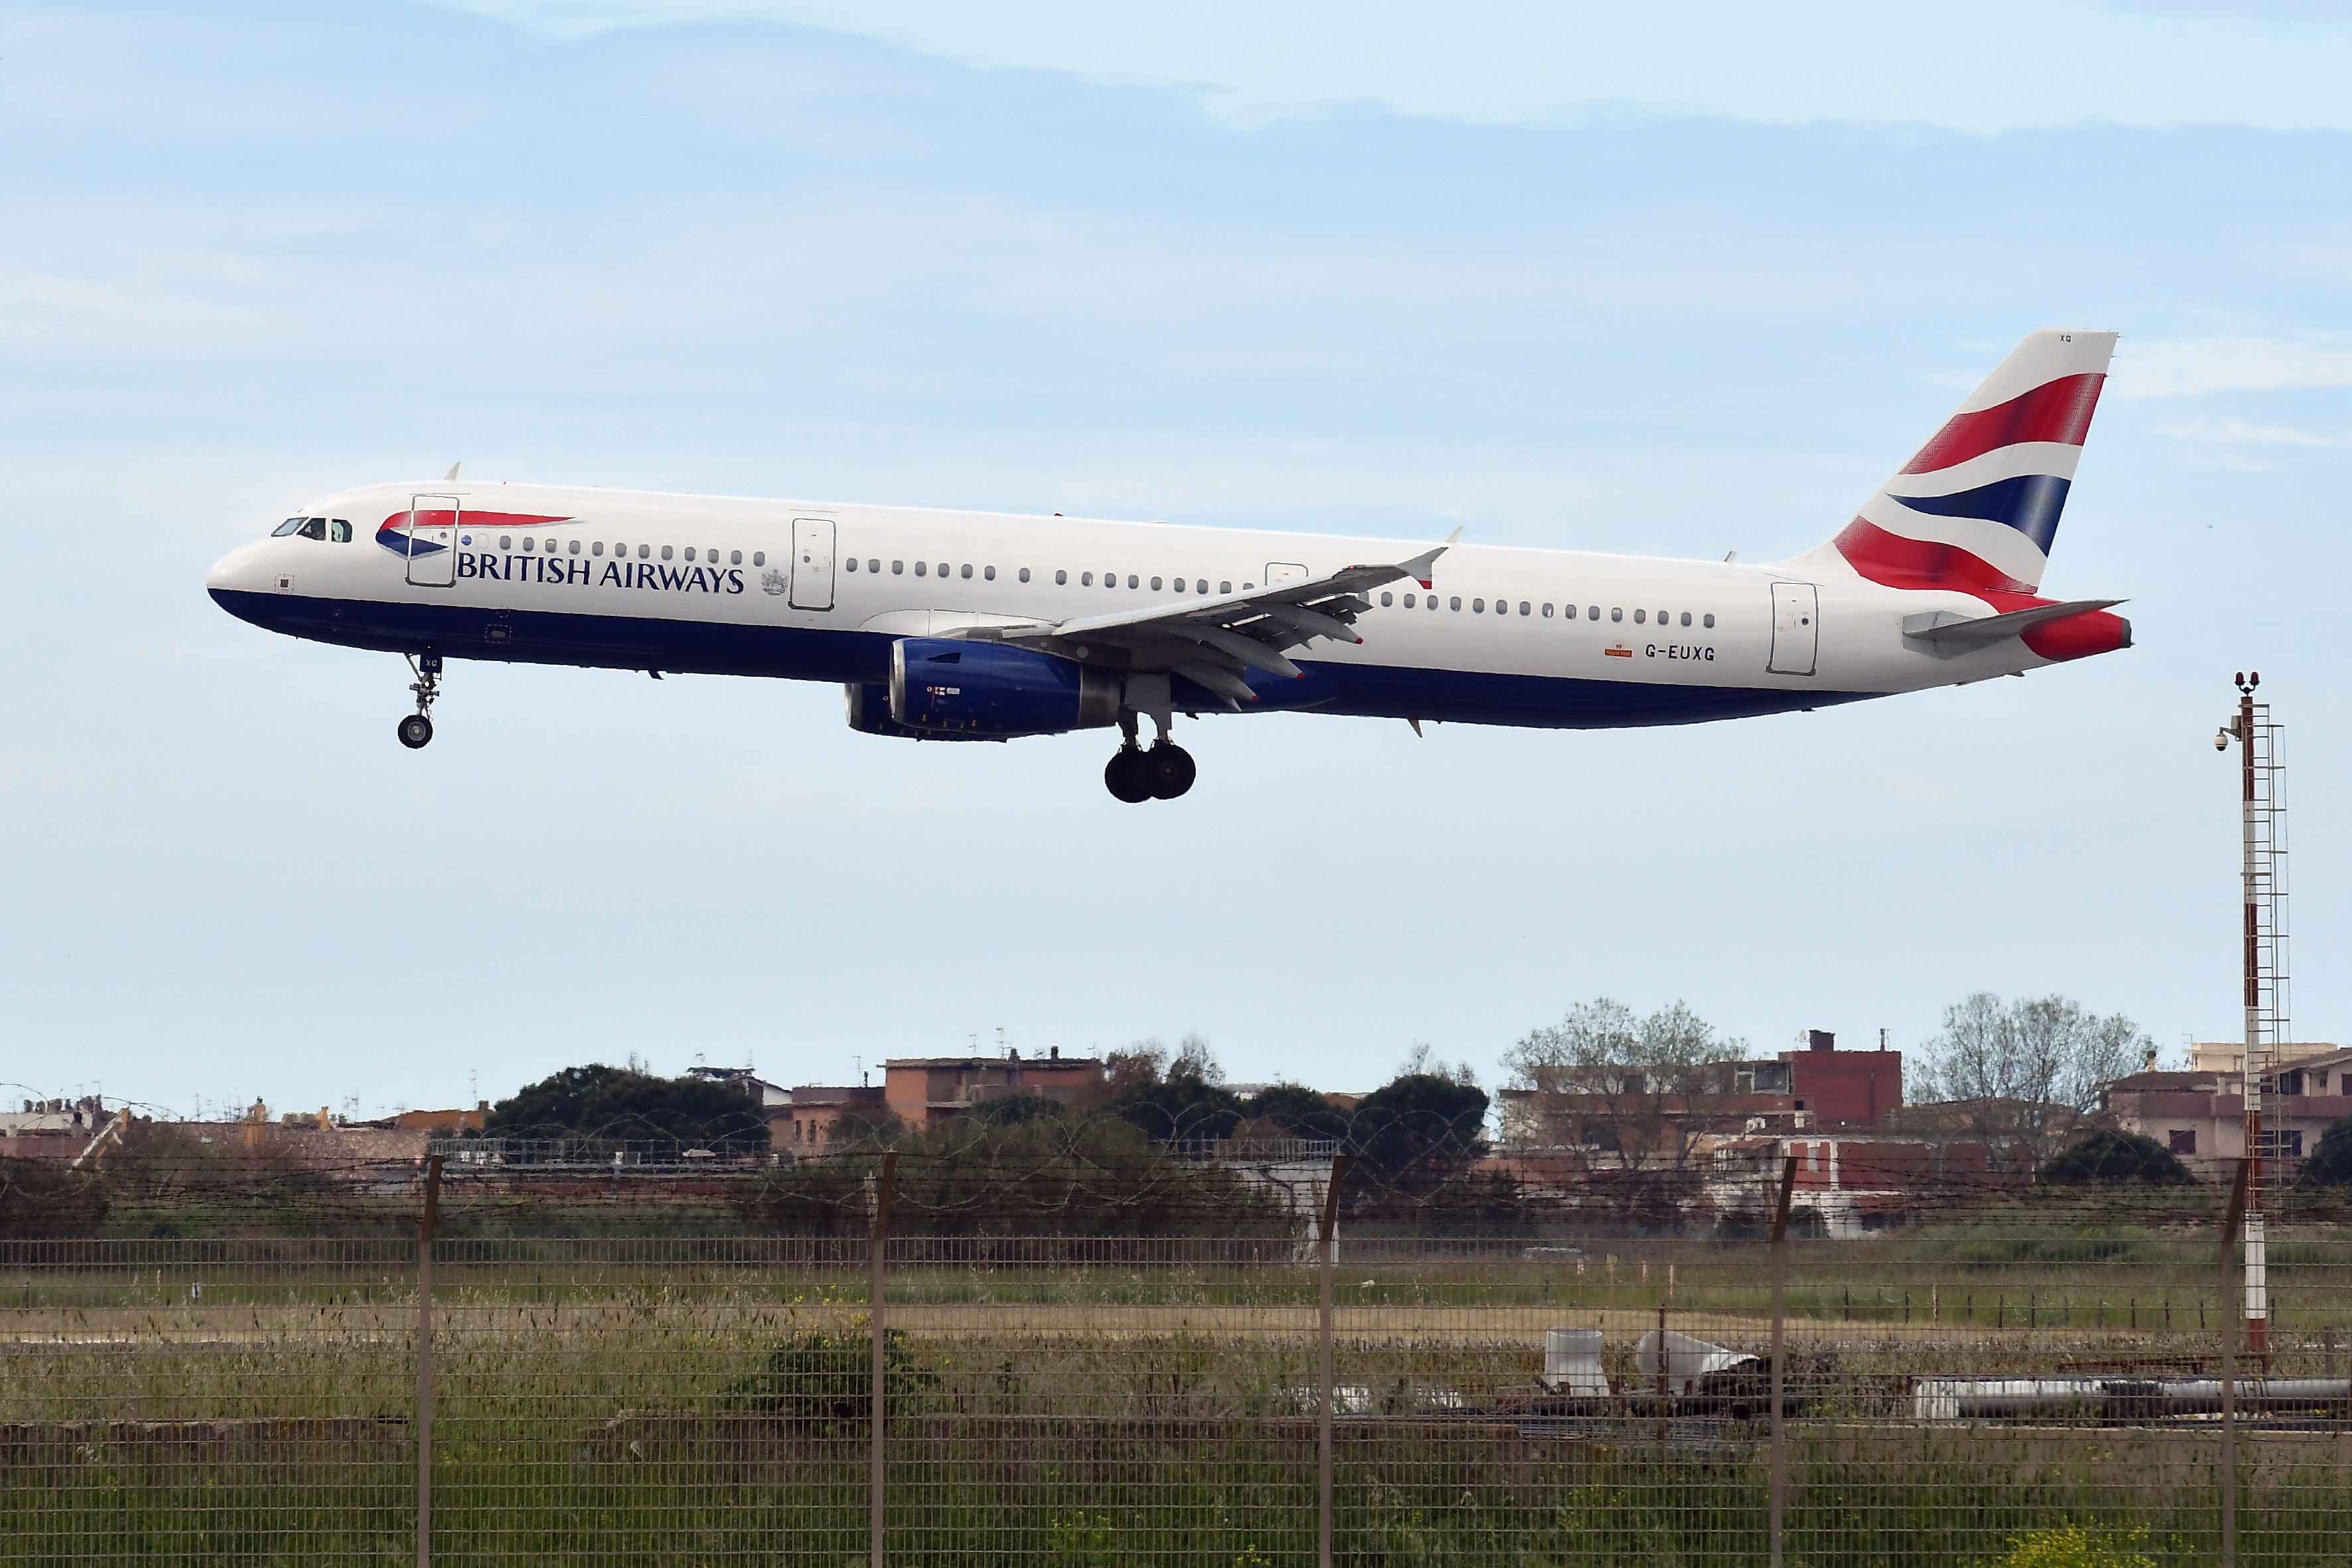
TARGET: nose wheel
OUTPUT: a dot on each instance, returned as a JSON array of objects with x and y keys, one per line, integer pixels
[
  {"x": 416, "y": 730},
  {"x": 1163, "y": 773}
]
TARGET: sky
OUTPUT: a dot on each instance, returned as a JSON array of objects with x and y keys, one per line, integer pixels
[{"x": 1652, "y": 280}]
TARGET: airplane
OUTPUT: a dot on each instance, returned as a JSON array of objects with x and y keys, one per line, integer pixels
[{"x": 967, "y": 625}]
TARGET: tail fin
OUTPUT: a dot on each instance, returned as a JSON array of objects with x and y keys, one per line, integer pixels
[{"x": 1977, "y": 508}]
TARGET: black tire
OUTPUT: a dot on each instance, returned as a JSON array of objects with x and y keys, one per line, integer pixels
[
  {"x": 1170, "y": 769},
  {"x": 1128, "y": 775},
  {"x": 414, "y": 731}
]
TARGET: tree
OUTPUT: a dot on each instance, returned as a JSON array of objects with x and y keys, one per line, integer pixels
[
  {"x": 1419, "y": 1130},
  {"x": 1187, "y": 1105},
  {"x": 1637, "y": 1087},
  {"x": 613, "y": 1107},
  {"x": 2027, "y": 1070},
  {"x": 2111, "y": 1156},
  {"x": 1298, "y": 1110},
  {"x": 2329, "y": 1163}
]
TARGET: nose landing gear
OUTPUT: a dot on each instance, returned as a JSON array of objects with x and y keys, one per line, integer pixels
[{"x": 417, "y": 728}]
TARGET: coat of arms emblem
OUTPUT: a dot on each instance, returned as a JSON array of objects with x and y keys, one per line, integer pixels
[{"x": 775, "y": 582}]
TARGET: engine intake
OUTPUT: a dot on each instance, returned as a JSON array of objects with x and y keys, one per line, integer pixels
[{"x": 945, "y": 690}]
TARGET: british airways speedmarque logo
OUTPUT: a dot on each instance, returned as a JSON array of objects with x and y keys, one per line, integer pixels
[{"x": 426, "y": 532}]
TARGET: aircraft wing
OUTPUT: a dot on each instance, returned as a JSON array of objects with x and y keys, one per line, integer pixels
[{"x": 1211, "y": 639}]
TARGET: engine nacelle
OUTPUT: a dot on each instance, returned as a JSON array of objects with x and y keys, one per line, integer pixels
[{"x": 952, "y": 691}]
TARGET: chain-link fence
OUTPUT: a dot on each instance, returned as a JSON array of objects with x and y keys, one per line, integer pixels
[{"x": 1999, "y": 1372}]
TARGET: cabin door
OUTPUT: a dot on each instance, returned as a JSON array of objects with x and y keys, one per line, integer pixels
[
  {"x": 1796, "y": 628},
  {"x": 812, "y": 563},
  {"x": 433, "y": 541}
]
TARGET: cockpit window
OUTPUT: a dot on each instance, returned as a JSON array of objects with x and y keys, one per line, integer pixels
[
  {"x": 340, "y": 530},
  {"x": 314, "y": 527},
  {"x": 289, "y": 526}
]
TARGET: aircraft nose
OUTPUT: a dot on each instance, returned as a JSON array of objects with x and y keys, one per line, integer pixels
[{"x": 238, "y": 570}]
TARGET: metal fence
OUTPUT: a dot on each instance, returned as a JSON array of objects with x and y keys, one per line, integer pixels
[{"x": 2001, "y": 1378}]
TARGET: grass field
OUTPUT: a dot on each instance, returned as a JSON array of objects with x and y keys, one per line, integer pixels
[{"x": 608, "y": 1402}]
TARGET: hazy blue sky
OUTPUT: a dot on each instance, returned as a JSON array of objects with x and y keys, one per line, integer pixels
[{"x": 1654, "y": 281}]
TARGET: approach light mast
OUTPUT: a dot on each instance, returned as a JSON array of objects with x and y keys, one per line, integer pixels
[{"x": 2262, "y": 853}]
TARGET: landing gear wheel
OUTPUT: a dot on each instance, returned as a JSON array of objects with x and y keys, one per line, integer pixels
[
  {"x": 1170, "y": 769},
  {"x": 1128, "y": 775},
  {"x": 416, "y": 730}
]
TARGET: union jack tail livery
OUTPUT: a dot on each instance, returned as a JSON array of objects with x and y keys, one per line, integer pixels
[{"x": 1977, "y": 509}]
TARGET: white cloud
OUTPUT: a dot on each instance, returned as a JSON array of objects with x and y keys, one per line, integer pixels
[
  {"x": 2193, "y": 367},
  {"x": 2238, "y": 433}
]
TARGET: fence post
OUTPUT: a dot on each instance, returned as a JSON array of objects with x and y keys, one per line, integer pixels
[
  {"x": 424, "y": 1362},
  {"x": 874, "y": 1304},
  {"x": 1330, "y": 1247},
  {"x": 1779, "y": 1483},
  {"x": 2233, "y": 1214}
]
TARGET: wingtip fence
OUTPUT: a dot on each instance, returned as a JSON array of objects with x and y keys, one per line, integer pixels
[{"x": 1983, "y": 1370}]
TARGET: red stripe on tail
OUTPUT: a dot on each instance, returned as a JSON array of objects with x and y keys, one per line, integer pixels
[
  {"x": 2056, "y": 411},
  {"x": 1894, "y": 562}
]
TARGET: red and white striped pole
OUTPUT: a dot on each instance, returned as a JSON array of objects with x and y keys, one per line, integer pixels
[{"x": 2258, "y": 1305}]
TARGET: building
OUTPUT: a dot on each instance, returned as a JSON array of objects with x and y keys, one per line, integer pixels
[
  {"x": 1846, "y": 1188},
  {"x": 815, "y": 1119},
  {"x": 2200, "y": 1114},
  {"x": 927, "y": 1090},
  {"x": 1638, "y": 1117},
  {"x": 1844, "y": 1088}
]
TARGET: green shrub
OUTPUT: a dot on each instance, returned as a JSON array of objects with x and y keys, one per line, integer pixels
[
  {"x": 2079, "y": 1546},
  {"x": 820, "y": 1377}
]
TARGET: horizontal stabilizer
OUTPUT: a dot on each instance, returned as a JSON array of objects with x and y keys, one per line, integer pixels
[{"x": 1948, "y": 633}]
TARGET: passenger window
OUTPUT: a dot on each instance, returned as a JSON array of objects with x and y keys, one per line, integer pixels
[
  {"x": 1592, "y": 613},
  {"x": 1086, "y": 579},
  {"x": 943, "y": 568},
  {"x": 897, "y": 568},
  {"x": 689, "y": 552},
  {"x": 1478, "y": 608},
  {"x": 645, "y": 551},
  {"x": 1616, "y": 612},
  {"x": 1457, "y": 601},
  {"x": 1523, "y": 607},
  {"x": 734, "y": 558},
  {"x": 597, "y": 548},
  {"x": 759, "y": 558},
  {"x": 967, "y": 570},
  {"x": 1409, "y": 603},
  {"x": 665, "y": 550},
  {"x": 1546, "y": 612},
  {"x": 922, "y": 568},
  {"x": 283, "y": 529},
  {"x": 1061, "y": 579},
  {"x": 871, "y": 565},
  {"x": 1024, "y": 573},
  {"x": 1131, "y": 581},
  {"x": 1247, "y": 588},
  {"x": 1224, "y": 587},
  {"x": 505, "y": 542},
  {"x": 1386, "y": 600},
  {"x": 1432, "y": 602},
  {"x": 1155, "y": 584},
  {"x": 1639, "y": 615},
  {"x": 575, "y": 548},
  {"x": 851, "y": 563},
  {"x": 1662, "y": 617},
  {"x": 988, "y": 573},
  {"x": 340, "y": 530},
  {"x": 1710, "y": 621},
  {"x": 1686, "y": 618}
]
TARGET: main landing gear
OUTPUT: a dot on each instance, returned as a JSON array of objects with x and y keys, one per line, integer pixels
[
  {"x": 1135, "y": 775},
  {"x": 416, "y": 730}
]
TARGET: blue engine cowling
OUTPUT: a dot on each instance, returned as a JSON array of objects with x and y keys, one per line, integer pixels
[{"x": 948, "y": 690}]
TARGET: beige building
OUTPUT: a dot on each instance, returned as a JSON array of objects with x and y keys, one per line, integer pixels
[{"x": 2200, "y": 1114}]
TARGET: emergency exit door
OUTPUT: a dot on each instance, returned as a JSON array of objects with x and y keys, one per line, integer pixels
[
  {"x": 812, "y": 563},
  {"x": 433, "y": 541},
  {"x": 1796, "y": 628}
]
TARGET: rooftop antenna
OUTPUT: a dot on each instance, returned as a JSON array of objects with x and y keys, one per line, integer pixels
[{"x": 2261, "y": 834}]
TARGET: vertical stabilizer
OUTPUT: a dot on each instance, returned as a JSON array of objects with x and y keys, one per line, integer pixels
[{"x": 1977, "y": 509}]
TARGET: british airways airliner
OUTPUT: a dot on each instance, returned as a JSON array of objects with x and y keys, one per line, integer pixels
[{"x": 955, "y": 626}]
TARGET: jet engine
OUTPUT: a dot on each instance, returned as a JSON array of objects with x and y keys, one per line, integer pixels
[{"x": 950, "y": 690}]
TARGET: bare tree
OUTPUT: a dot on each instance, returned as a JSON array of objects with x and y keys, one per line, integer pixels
[
  {"x": 2026, "y": 1071},
  {"x": 1642, "y": 1086}
]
